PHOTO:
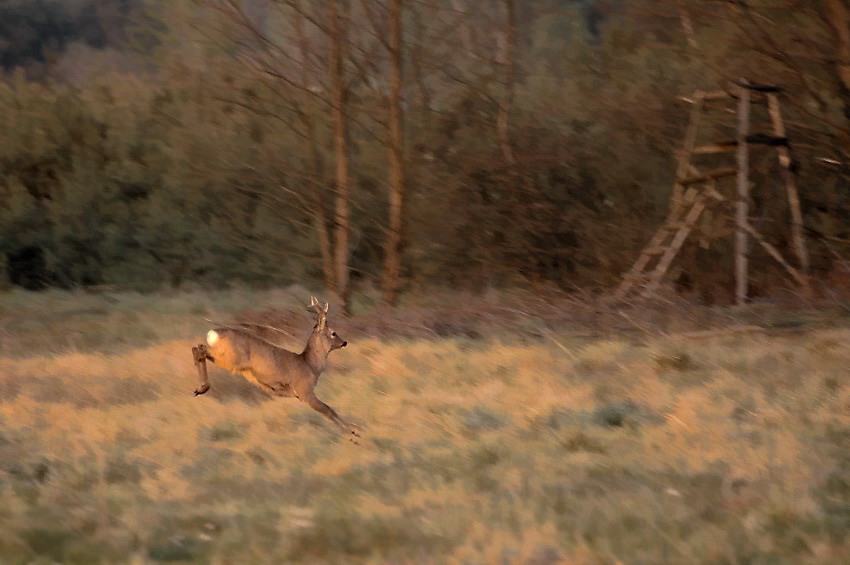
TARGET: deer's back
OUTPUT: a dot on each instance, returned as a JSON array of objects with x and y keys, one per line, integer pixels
[{"x": 257, "y": 360}]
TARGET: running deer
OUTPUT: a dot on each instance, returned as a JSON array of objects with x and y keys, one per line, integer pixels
[{"x": 272, "y": 368}]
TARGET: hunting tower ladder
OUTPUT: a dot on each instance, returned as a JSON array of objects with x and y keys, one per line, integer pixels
[{"x": 695, "y": 190}]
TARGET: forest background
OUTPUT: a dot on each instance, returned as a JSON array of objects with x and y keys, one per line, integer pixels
[
  {"x": 398, "y": 145},
  {"x": 492, "y": 166}
]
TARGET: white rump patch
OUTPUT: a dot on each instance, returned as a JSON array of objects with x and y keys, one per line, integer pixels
[{"x": 212, "y": 337}]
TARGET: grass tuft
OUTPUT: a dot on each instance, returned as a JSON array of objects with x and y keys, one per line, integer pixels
[{"x": 225, "y": 430}]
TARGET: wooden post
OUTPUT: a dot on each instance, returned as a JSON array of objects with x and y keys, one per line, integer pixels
[
  {"x": 797, "y": 241},
  {"x": 685, "y": 156},
  {"x": 742, "y": 204},
  {"x": 773, "y": 252}
]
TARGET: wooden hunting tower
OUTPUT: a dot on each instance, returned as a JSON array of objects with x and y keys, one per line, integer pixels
[{"x": 697, "y": 188}]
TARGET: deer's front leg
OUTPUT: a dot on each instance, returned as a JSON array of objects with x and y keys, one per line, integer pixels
[
  {"x": 330, "y": 414},
  {"x": 200, "y": 355}
]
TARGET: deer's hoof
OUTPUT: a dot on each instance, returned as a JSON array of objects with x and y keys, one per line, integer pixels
[{"x": 201, "y": 389}]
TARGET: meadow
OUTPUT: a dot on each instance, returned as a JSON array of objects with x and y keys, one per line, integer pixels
[{"x": 507, "y": 430}]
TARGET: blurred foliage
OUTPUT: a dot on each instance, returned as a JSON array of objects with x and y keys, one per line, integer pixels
[{"x": 149, "y": 144}]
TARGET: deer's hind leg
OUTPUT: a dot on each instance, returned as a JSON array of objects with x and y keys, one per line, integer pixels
[{"x": 200, "y": 355}]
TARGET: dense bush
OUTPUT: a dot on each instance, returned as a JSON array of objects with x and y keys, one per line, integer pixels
[{"x": 175, "y": 159}]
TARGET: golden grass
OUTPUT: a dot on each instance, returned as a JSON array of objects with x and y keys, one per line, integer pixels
[{"x": 499, "y": 450}]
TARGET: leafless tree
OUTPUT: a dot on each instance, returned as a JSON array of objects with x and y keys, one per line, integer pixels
[{"x": 397, "y": 182}]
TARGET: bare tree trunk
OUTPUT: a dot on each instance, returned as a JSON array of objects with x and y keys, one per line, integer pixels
[
  {"x": 397, "y": 188},
  {"x": 508, "y": 60},
  {"x": 839, "y": 17},
  {"x": 465, "y": 34},
  {"x": 319, "y": 218},
  {"x": 317, "y": 190},
  {"x": 342, "y": 189},
  {"x": 743, "y": 197}
]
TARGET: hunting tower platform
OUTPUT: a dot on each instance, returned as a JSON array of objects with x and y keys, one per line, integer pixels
[{"x": 698, "y": 188}]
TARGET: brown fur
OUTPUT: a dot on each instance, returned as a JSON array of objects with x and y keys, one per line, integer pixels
[{"x": 272, "y": 368}]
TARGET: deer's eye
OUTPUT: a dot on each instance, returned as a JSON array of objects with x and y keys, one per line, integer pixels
[{"x": 333, "y": 334}]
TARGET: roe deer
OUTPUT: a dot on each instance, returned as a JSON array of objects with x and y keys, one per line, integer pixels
[{"x": 272, "y": 368}]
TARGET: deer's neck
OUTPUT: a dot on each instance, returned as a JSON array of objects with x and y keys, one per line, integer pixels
[{"x": 315, "y": 355}]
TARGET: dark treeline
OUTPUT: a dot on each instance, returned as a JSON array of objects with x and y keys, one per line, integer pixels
[{"x": 150, "y": 144}]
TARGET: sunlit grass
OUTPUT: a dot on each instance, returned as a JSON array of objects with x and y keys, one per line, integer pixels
[{"x": 492, "y": 450}]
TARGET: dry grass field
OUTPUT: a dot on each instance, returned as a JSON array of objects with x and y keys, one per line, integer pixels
[{"x": 528, "y": 442}]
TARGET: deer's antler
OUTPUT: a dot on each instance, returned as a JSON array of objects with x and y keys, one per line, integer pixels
[{"x": 316, "y": 308}]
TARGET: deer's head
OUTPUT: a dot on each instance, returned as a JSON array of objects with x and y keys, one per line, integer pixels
[{"x": 321, "y": 331}]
